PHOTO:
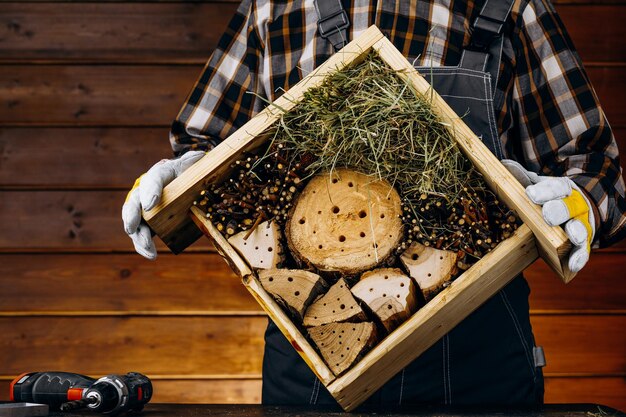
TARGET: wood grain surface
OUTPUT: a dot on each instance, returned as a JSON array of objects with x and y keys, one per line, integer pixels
[
  {"x": 176, "y": 32},
  {"x": 87, "y": 93},
  {"x": 123, "y": 283},
  {"x": 234, "y": 344},
  {"x": 151, "y": 95}
]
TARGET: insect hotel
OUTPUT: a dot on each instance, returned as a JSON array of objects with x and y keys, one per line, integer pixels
[{"x": 362, "y": 214}]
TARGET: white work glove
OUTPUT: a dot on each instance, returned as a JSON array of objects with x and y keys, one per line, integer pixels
[
  {"x": 563, "y": 204},
  {"x": 146, "y": 193}
]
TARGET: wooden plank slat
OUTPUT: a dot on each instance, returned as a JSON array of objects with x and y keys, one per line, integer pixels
[
  {"x": 66, "y": 221},
  {"x": 151, "y": 345},
  {"x": 574, "y": 345},
  {"x": 128, "y": 283},
  {"x": 185, "y": 284},
  {"x": 608, "y": 391},
  {"x": 582, "y": 344},
  {"x": 73, "y": 221},
  {"x": 234, "y": 345},
  {"x": 93, "y": 157},
  {"x": 188, "y": 32},
  {"x": 76, "y": 95},
  {"x": 599, "y": 286},
  {"x": 151, "y": 95},
  {"x": 79, "y": 157},
  {"x": 121, "y": 32}
]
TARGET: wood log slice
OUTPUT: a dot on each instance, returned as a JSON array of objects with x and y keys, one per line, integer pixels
[
  {"x": 337, "y": 305},
  {"x": 431, "y": 268},
  {"x": 262, "y": 249},
  {"x": 346, "y": 222},
  {"x": 293, "y": 288},
  {"x": 389, "y": 294},
  {"x": 343, "y": 344}
]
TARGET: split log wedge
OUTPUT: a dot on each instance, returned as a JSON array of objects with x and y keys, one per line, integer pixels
[
  {"x": 431, "y": 268},
  {"x": 389, "y": 294},
  {"x": 337, "y": 305},
  {"x": 342, "y": 344},
  {"x": 293, "y": 288},
  {"x": 262, "y": 249},
  {"x": 346, "y": 222}
]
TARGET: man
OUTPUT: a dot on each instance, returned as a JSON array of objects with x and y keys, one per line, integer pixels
[{"x": 540, "y": 111}]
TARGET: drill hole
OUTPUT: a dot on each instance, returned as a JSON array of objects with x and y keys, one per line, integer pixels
[
  {"x": 362, "y": 214},
  {"x": 297, "y": 293},
  {"x": 270, "y": 249},
  {"x": 335, "y": 209},
  {"x": 362, "y": 234},
  {"x": 289, "y": 279},
  {"x": 414, "y": 256},
  {"x": 350, "y": 184},
  {"x": 302, "y": 221},
  {"x": 382, "y": 215},
  {"x": 342, "y": 238},
  {"x": 343, "y": 306}
]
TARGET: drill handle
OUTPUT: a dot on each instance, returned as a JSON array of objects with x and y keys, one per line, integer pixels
[{"x": 52, "y": 388}]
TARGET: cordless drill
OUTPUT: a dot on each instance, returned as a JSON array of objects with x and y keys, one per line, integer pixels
[{"x": 111, "y": 394}]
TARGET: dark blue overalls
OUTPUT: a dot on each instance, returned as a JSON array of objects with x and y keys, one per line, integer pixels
[{"x": 490, "y": 357}]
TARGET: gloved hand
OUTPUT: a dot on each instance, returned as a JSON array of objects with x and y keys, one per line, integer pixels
[
  {"x": 563, "y": 204},
  {"x": 146, "y": 193}
]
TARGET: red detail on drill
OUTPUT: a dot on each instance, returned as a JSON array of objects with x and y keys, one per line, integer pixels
[
  {"x": 296, "y": 346},
  {"x": 11, "y": 393},
  {"x": 139, "y": 393},
  {"x": 74, "y": 394}
]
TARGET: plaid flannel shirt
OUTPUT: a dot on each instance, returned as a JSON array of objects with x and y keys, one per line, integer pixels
[{"x": 549, "y": 118}]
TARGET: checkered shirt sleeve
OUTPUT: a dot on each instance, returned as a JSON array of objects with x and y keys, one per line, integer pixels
[
  {"x": 561, "y": 125},
  {"x": 228, "y": 92}
]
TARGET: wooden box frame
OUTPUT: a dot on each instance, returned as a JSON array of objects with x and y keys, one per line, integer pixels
[{"x": 175, "y": 221}]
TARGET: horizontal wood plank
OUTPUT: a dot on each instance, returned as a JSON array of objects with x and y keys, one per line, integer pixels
[
  {"x": 582, "y": 344},
  {"x": 93, "y": 95},
  {"x": 66, "y": 221},
  {"x": 151, "y": 95},
  {"x": 151, "y": 345},
  {"x": 79, "y": 157},
  {"x": 84, "y": 158},
  {"x": 578, "y": 345},
  {"x": 608, "y": 391},
  {"x": 122, "y": 32},
  {"x": 599, "y": 286},
  {"x": 151, "y": 32},
  {"x": 185, "y": 284}
]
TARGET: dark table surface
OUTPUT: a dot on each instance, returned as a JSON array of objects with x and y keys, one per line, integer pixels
[{"x": 198, "y": 410}]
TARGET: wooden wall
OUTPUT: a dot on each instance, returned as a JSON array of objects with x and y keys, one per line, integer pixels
[{"x": 87, "y": 91}]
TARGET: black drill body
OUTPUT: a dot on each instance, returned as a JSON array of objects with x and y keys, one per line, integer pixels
[{"x": 111, "y": 394}]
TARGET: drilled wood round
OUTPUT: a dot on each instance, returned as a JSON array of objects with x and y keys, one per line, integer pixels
[
  {"x": 389, "y": 294},
  {"x": 342, "y": 344},
  {"x": 337, "y": 305},
  {"x": 347, "y": 222},
  {"x": 431, "y": 268}
]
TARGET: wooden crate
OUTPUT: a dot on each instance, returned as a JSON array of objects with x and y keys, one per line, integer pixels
[{"x": 179, "y": 224}]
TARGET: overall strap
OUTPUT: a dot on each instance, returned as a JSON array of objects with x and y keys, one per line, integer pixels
[
  {"x": 332, "y": 22},
  {"x": 485, "y": 48}
]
